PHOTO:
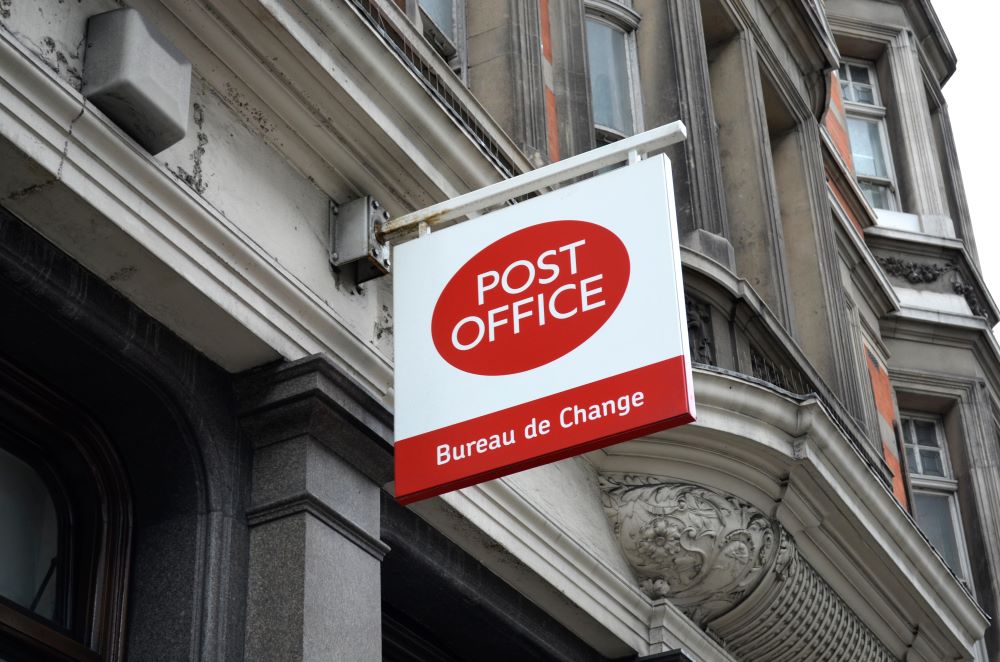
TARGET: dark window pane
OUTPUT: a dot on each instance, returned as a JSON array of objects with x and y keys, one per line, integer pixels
[
  {"x": 933, "y": 514},
  {"x": 911, "y": 460},
  {"x": 907, "y": 425},
  {"x": 609, "y": 86},
  {"x": 28, "y": 538},
  {"x": 878, "y": 195},
  {"x": 860, "y": 75},
  {"x": 866, "y": 147},
  {"x": 442, "y": 12},
  {"x": 926, "y": 433},
  {"x": 930, "y": 462},
  {"x": 864, "y": 94}
]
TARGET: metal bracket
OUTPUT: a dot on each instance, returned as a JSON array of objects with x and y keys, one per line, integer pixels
[
  {"x": 628, "y": 150},
  {"x": 354, "y": 229}
]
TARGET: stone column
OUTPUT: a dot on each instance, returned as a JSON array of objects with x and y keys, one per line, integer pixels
[
  {"x": 918, "y": 170},
  {"x": 752, "y": 202},
  {"x": 321, "y": 451},
  {"x": 676, "y": 86},
  {"x": 506, "y": 71}
]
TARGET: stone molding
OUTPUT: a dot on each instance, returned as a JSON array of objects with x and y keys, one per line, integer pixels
[
  {"x": 733, "y": 570},
  {"x": 919, "y": 273},
  {"x": 313, "y": 397},
  {"x": 307, "y": 503}
]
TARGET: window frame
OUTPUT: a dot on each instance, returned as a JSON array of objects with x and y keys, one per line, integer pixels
[
  {"x": 873, "y": 112},
  {"x": 451, "y": 48},
  {"x": 619, "y": 16},
  {"x": 88, "y": 486},
  {"x": 945, "y": 485}
]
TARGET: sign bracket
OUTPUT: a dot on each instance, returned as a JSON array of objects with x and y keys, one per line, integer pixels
[{"x": 628, "y": 150}]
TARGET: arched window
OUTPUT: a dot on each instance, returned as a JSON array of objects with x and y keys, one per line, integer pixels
[
  {"x": 64, "y": 519},
  {"x": 613, "y": 70}
]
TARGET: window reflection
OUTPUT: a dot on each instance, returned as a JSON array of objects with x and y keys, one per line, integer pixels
[
  {"x": 442, "y": 12},
  {"x": 933, "y": 514},
  {"x": 29, "y": 539},
  {"x": 609, "y": 84}
]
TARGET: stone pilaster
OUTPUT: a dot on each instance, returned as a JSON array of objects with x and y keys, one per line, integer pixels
[
  {"x": 321, "y": 451},
  {"x": 921, "y": 184},
  {"x": 676, "y": 86}
]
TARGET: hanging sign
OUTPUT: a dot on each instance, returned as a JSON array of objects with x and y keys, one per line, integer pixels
[{"x": 543, "y": 330}]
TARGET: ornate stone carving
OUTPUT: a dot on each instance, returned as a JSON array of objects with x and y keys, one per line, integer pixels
[
  {"x": 701, "y": 549},
  {"x": 700, "y": 338},
  {"x": 971, "y": 297},
  {"x": 914, "y": 272},
  {"x": 733, "y": 571}
]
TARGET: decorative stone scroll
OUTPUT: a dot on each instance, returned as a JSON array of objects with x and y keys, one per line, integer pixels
[
  {"x": 733, "y": 571},
  {"x": 701, "y": 549}
]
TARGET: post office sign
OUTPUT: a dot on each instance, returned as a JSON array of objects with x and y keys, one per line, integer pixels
[{"x": 543, "y": 330}]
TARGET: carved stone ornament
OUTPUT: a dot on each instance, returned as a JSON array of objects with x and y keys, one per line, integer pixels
[
  {"x": 733, "y": 571},
  {"x": 917, "y": 273},
  {"x": 701, "y": 549},
  {"x": 914, "y": 272},
  {"x": 699, "y": 322},
  {"x": 971, "y": 297}
]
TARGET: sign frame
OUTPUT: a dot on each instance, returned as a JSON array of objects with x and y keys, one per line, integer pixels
[{"x": 667, "y": 381}]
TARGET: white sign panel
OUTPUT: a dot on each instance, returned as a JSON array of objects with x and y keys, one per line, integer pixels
[{"x": 539, "y": 331}]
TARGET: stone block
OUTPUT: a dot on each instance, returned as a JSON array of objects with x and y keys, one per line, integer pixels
[{"x": 137, "y": 78}]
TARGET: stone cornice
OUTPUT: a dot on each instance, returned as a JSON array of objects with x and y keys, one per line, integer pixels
[
  {"x": 350, "y": 84},
  {"x": 864, "y": 268},
  {"x": 936, "y": 53},
  {"x": 313, "y": 397},
  {"x": 973, "y": 334},
  {"x": 308, "y": 503}
]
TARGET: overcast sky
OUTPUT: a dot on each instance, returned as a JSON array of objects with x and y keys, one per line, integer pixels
[{"x": 971, "y": 95}]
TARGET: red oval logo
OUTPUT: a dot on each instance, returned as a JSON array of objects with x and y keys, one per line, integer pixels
[{"x": 531, "y": 297}]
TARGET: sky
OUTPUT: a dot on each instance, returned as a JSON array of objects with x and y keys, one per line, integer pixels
[{"x": 971, "y": 96}]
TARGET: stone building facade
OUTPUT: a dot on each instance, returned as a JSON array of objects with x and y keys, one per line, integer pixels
[{"x": 196, "y": 409}]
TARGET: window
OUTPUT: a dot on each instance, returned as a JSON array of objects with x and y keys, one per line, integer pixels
[
  {"x": 30, "y": 536},
  {"x": 41, "y": 585},
  {"x": 64, "y": 514},
  {"x": 443, "y": 24},
  {"x": 935, "y": 506},
  {"x": 611, "y": 64},
  {"x": 867, "y": 131}
]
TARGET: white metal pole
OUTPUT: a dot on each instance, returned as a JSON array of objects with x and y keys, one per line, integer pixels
[{"x": 625, "y": 150}]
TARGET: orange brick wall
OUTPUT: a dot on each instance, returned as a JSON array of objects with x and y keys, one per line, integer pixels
[{"x": 885, "y": 402}]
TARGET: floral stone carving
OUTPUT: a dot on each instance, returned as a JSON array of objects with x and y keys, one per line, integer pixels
[
  {"x": 702, "y": 550},
  {"x": 733, "y": 571}
]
